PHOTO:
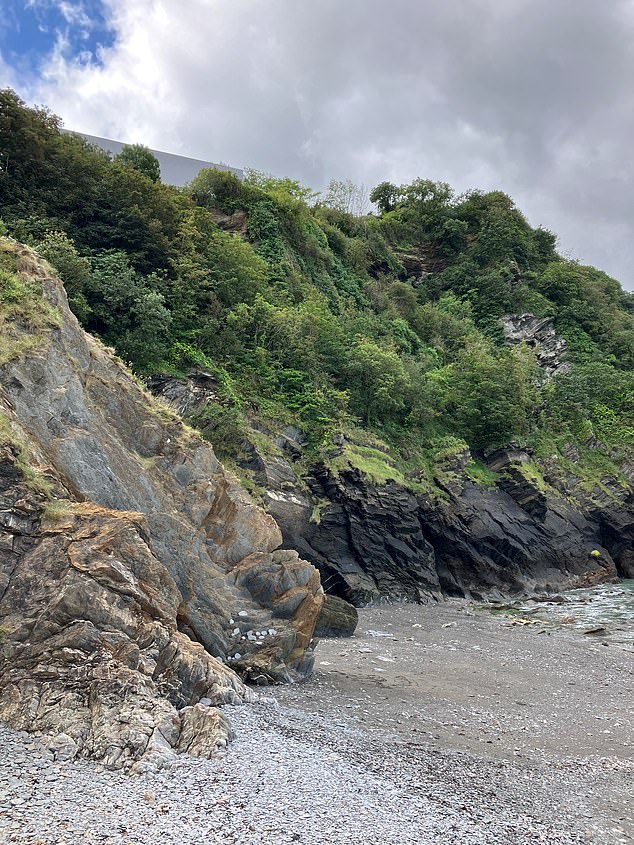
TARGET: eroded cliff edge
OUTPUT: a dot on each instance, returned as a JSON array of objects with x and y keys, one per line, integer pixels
[
  {"x": 139, "y": 585},
  {"x": 524, "y": 526}
]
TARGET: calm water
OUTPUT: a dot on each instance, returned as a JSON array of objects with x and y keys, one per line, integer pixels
[{"x": 609, "y": 605}]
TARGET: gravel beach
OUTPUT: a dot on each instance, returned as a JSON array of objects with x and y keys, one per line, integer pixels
[{"x": 444, "y": 724}]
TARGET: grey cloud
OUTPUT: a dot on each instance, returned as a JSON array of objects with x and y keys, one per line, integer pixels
[{"x": 530, "y": 96}]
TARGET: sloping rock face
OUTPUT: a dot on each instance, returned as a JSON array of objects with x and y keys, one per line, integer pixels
[
  {"x": 384, "y": 543},
  {"x": 368, "y": 542},
  {"x": 157, "y": 576},
  {"x": 539, "y": 333},
  {"x": 92, "y": 655},
  {"x": 185, "y": 395},
  {"x": 488, "y": 545}
]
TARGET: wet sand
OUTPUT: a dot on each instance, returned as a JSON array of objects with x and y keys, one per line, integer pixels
[
  {"x": 540, "y": 715},
  {"x": 441, "y": 725}
]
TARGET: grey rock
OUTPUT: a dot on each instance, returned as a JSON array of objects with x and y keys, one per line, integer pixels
[
  {"x": 115, "y": 610},
  {"x": 538, "y": 333}
]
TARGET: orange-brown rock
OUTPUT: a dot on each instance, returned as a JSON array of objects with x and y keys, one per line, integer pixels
[{"x": 143, "y": 575}]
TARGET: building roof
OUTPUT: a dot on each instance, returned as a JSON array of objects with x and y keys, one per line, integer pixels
[{"x": 175, "y": 169}]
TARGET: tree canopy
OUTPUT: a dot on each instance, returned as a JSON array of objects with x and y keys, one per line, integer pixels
[{"x": 310, "y": 312}]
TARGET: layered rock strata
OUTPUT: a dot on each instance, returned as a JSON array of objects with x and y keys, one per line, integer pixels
[
  {"x": 137, "y": 579},
  {"x": 374, "y": 542}
]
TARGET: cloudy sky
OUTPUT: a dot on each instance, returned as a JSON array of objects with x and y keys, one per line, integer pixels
[{"x": 535, "y": 97}]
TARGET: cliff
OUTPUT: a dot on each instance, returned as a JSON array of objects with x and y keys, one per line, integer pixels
[
  {"x": 525, "y": 526},
  {"x": 139, "y": 585},
  {"x": 375, "y": 541}
]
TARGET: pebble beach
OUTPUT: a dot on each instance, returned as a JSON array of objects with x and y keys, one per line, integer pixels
[{"x": 443, "y": 724}]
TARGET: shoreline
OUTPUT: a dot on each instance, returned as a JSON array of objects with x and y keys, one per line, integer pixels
[{"x": 433, "y": 724}]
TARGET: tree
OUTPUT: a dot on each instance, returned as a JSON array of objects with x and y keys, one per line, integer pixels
[
  {"x": 491, "y": 395},
  {"x": 347, "y": 197},
  {"x": 73, "y": 269},
  {"x": 45, "y": 174},
  {"x": 142, "y": 159},
  {"x": 377, "y": 381},
  {"x": 212, "y": 188},
  {"x": 136, "y": 215},
  {"x": 385, "y": 196},
  {"x": 128, "y": 311},
  {"x": 279, "y": 187}
]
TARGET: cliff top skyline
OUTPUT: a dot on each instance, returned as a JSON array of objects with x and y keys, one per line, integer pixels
[{"x": 531, "y": 98}]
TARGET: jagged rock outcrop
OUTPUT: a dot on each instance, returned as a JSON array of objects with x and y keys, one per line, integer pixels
[
  {"x": 515, "y": 481},
  {"x": 616, "y": 529},
  {"x": 368, "y": 542},
  {"x": 92, "y": 655},
  {"x": 488, "y": 545},
  {"x": 156, "y": 575},
  {"x": 238, "y": 222},
  {"x": 608, "y": 505},
  {"x": 384, "y": 542},
  {"x": 185, "y": 395},
  {"x": 538, "y": 333}
]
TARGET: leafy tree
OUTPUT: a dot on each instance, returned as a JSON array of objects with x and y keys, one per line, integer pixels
[
  {"x": 221, "y": 189},
  {"x": 142, "y": 159},
  {"x": 490, "y": 395},
  {"x": 377, "y": 381},
  {"x": 73, "y": 269},
  {"x": 127, "y": 311},
  {"x": 385, "y": 196},
  {"x": 280, "y": 188}
]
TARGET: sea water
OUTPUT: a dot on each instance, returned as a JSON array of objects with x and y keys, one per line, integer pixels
[{"x": 609, "y": 606}]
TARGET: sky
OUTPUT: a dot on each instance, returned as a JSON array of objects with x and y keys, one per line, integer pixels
[{"x": 532, "y": 97}]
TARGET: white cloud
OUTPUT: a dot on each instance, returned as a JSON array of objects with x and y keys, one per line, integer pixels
[{"x": 529, "y": 96}]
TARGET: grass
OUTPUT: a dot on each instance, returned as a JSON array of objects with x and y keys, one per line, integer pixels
[
  {"x": 318, "y": 508},
  {"x": 533, "y": 474},
  {"x": 33, "y": 478},
  {"x": 371, "y": 463},
  {"x": 246, "y": 481},
  {"x": 25, "y": 316},
  {"x": 147, "y": 463},
  {"x": 480, "y": 474},
  {"x": 589, "y": 472},
  {"x": 57, "y": 509}
]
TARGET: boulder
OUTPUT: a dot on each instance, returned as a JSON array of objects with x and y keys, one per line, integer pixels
[{"x": 338, "y": 618}]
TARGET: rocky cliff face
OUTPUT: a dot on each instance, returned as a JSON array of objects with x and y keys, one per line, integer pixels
[
  {"x": 375, "y": 542},
  {"x": 383, "y": 542},
  {"x": 138, "y": 583},
  {"x": 538, "y": 333}
]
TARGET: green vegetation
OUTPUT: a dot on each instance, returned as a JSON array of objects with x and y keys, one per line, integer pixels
[
  {"x": 25, "y": 316},
  {"x": 57, "y": 509},
  {"x": 33, "y": 479},
  {"x": 479, "y": 473},
  {"x": 382, "y": 326}
]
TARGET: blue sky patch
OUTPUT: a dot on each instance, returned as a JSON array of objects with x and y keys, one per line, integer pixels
[{"x": 30, "y": 30}]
